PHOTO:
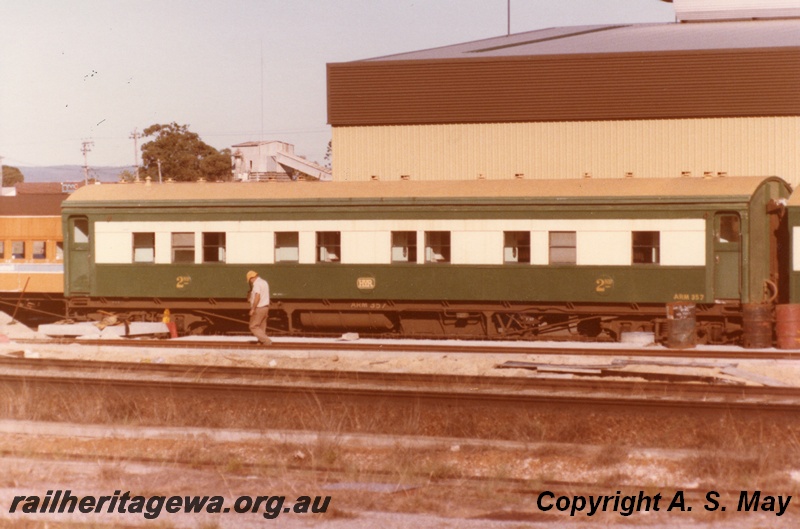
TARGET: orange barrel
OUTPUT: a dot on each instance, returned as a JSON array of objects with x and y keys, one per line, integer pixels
[
  {"x": 681, "y": 325},
  {"x": 757, "y": 324},
  {"x": 787, "y": 326}
]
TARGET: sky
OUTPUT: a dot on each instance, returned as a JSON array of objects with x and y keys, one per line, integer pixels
[{"x": 232, "y": 70}]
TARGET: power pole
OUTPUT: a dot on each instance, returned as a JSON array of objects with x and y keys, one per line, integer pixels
[
  {"x": 508, "y": 13},
  {"x": 135, "y": 137},
  {"x": 159, "y": 170},
  {"x": 262, "y": 90},
  {"x": 86, "y": 147}
]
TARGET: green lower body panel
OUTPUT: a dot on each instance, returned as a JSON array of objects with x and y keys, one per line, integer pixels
[
  {"x": 794, "y": 287},
  {"x": 640, "y": 284}
]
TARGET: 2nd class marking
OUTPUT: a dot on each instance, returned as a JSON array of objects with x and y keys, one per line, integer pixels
[
  {"x": 182, "y": 281},
  {"x": 689, "y": 297},
  {"x": 603, "y": 284}
]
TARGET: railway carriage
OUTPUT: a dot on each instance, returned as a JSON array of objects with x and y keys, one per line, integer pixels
[
  {"x": 586, "y": 258},
  {"x": 31, "y": 251},
  {"x": 792, "y": 248}
]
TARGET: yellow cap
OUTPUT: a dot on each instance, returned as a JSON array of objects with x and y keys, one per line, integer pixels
[{"x": 251, "y": 274}]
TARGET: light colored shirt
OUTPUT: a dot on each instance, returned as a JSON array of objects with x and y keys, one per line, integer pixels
[{"x": 260, "y": 287}]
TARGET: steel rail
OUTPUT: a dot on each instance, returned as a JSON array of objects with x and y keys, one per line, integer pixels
[
  {"x": 460, "y": 388},
  {"x": 432, "y": 347}
]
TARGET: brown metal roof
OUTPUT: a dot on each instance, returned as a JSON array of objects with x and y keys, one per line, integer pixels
[
  {"x": 634, "y": 38},
  {"x": 694, "y": 189},
  {"x": 32, "y": 205},
  {"x": 566, "y": 88},
  {"x": 648, "y": 71},
  {"x": 42, "y": 188},
  {"x": 257, "y": 143}
]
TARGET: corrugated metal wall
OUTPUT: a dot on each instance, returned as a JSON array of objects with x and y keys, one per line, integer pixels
[
  {"x": 571, "y": 87},
  {"x": 606, "y": 149}
]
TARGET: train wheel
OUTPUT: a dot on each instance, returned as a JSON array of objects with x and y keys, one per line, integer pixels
[{"x": 590, "y": 328}]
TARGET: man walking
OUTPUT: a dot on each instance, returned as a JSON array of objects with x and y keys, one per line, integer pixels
[{"x": 259, "y": 307}]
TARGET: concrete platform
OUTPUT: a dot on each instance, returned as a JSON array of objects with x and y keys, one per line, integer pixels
[{"x": 90, "y": 330}]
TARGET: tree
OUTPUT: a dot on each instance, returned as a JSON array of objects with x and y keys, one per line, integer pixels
[
  {"x": 12, "y": 176},
  {"x": 217, "y": 166},
  {"x": 183, "y": 155},
  {"x": 127, "y": 176}
]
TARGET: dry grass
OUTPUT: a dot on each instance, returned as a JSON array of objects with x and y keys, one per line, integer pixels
[
  {"x": 608, "y": 456},
  {"x": 730, "y": 451},
  {"x": 626, "y": 428},
  {"x": 442, "y": 480},
  {"x": 733, "y": 469},
  {"x": 616, "y": 430}
]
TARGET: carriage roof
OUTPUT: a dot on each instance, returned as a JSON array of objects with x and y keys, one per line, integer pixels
[{"x": 622, "y": 190}]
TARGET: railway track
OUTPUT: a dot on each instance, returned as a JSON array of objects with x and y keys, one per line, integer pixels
[
  {"x": 519, "y": 409},
  {"x": 514, "y": 348},
  {"x": 513, "y": 495},
  {"x": 442, "y": 389},
  {"x": 334, "y": 472}
]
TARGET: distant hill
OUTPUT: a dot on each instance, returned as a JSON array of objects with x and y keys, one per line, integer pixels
[{"x": 71, "y": 173}]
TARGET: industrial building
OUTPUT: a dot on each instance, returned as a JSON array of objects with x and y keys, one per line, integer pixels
[
  {"x": 256, "y": 161},
  {"x": 715, "y": 93}
]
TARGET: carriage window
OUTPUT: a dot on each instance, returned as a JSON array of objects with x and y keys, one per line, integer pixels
[
  {"x": 329, "y": 246},
  {"x": 2, "y": 249},
  {"x": 18, "y": 249},
  {"x": 646, "y": 247},
  {"x": 183, "y": 247},
  {"x": 39, "y": 250},
  {"x": 287, "y": 247},
  {"x": 728, "y": 229},
  {"x": 59, "y": 251},
  {"x": 437, "y": 246},
  {"x": 563, "y": 247},
  {"x": 517, "y": 247},
  {"x": 80, "y": 231},
  {"x": 404, "y": 247},
  {"x": 144, "y": 247},
  {"x": 214, "y": 247}
]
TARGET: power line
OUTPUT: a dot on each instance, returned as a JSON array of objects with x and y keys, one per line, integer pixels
[
  {"x": 202, "y": 135},
  {"x": 23, "y": 162}
]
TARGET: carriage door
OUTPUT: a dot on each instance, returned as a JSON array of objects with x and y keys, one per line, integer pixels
[
  {"x": 79, "y": 256},
  {"x": 727, "y": 255}
]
